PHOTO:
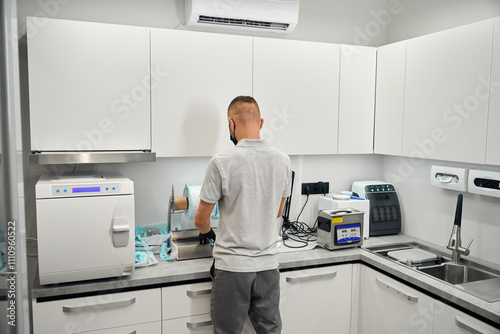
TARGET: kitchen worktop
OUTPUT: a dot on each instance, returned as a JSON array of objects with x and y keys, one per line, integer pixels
[{"x": 178, "y": 272}]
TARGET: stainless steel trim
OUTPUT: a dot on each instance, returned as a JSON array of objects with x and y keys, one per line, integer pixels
[
  {"x": 310, "y": 277},
  {"x": 90, "y": 158},
  {"x": 460, "y": 323},
  {"x": 185, "y": 234},
  {"x": 98, "y": 307},
  {"x": 396, "y": 292},
  {"x": 194, "y": 325},
  {"x": 198, "y": 293}
]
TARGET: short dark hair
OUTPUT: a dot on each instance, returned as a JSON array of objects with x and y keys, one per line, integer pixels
[
  {"x": 242, "y": 99},
  {"x": 242, "y": 113}
]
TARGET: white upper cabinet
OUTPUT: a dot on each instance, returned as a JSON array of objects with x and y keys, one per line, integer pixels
[
  {"x": 446, "y": 94},
  {"x": 296, "y": 84},
  {"x": 493, "y": 139},
  {"x": 203, "y": 73},
  {"x": 89, "y": 87},
  {"x": 357, "y": 99},
  {"x": 390, "y": 93}
]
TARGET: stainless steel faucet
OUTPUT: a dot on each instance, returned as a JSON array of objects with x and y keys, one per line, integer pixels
[{"x": 455, "y": 242}]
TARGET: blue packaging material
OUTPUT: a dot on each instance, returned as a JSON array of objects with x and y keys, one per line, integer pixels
[{"x": 149, "y": 240}]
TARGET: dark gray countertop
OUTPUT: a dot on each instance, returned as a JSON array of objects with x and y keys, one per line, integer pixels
[{"x": 172, "y": 272}]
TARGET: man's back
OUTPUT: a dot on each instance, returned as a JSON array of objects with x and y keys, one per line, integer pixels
[{"x": 254, "y": 177}]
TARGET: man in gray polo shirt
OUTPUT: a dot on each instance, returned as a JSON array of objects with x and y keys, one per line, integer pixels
[{"x": 250, "y": 181}]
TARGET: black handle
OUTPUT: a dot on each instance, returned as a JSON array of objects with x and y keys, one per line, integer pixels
[{"x": 458, "y": 212}]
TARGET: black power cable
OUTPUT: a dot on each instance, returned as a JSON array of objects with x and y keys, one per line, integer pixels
[{"x": 298, "y": 231}]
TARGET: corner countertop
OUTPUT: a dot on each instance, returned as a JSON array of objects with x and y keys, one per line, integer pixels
[{"x": 177, "y": 272}]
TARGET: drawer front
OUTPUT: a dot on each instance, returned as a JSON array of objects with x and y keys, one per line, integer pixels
[
  {"x": 97, "y": 312},
  {"x": 148, "y": 328},
  {"x": 199, "y": 324},
  {"x": 186, "y": 300}
]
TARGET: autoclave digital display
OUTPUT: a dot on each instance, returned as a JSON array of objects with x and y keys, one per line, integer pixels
[{"x": 85, "y": 190}]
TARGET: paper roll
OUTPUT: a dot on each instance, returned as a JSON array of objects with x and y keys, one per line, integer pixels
[{"x": 181, "y": 203}]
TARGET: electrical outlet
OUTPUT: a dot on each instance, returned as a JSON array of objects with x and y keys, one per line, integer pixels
[{"x": 316, "y": 188}]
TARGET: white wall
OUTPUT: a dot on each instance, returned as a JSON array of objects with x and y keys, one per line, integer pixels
[
  {"x": 428, "y": 212},
  {"x": 153, "y": 181}
]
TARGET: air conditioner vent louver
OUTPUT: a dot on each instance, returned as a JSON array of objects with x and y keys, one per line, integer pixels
[
  {"x": 262, "y": 16},
  {"x": 242, "y": 23}
]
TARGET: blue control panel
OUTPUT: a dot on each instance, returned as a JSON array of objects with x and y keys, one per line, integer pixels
[
  {"x": 348, "y": 233},
  {"x": 80, "y": 190}
]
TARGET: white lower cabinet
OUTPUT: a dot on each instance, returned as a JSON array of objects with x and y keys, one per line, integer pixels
[
  {"x": 316, "y": 300},
  {"x": 448, "y": 320},
  {"x": 98, "y": 313},
  {"x": 389, "y": 306},
  {"x": 186, "y": 308},
  {"x": 346, "y": 298}
]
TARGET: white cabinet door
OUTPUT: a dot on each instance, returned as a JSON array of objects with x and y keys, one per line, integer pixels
[
  {"x": 390, "y": 93},
  {"x": 446, "y": 100},
  {"x": 388, "y": 306},
  {"x": 493, "y": 141},
  {"x": 204, "y": 72},
  {"x": 296, "y": 84},
  {"x": 357, "y": 99},
  {"x": 316, "y": 300},
  {"x": 448, "y": 320},
  {"x": 77, "y": 315},
  {"x": 89, "y": 87}
]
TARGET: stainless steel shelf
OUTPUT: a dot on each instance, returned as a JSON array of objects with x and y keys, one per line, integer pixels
[{"x": 90, "y": 158}]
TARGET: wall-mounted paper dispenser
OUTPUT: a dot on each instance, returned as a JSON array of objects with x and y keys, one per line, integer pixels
[
  {"x": 449, "y": 178},
  {"x": 484, "y": 182}
]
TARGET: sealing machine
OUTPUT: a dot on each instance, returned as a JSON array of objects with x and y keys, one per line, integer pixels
[{"x": 181, "y": 212}]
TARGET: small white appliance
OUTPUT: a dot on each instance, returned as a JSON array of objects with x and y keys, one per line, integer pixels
[
  {"x": 85, "y": 227},
  {"x": 329, "y": 203},
  {"x": 385, "y": 212},
  {"x": 251, "y": 15}
]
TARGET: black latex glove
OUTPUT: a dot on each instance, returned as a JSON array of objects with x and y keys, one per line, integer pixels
[{"x": 207, "y": 238}]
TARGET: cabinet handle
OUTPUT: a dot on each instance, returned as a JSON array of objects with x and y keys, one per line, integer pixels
[
  {"x": 396, "y": 292},
  {"x": 460, "y": 323},
  {"x": 194, "y": 325},
  {"x": 97, "y": 307},
  {"x": 198, "y": 293},
  {"x": 311, "y": 277}
]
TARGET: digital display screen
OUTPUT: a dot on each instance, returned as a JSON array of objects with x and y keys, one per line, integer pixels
[{"x": 86, "y": 190}]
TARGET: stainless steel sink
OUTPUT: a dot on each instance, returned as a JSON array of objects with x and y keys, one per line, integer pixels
[
  {"x": 456, "y": 273},
  {"x": 469, "y": 276}
]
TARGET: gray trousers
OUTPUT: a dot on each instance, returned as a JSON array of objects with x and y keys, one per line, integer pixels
[{"x": 236, "y": 295}]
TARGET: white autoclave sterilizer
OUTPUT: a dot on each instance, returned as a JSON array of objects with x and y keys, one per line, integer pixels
[{"x": 85, "y": 227}]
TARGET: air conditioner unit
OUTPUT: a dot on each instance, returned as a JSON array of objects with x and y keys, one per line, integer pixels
[{"x": 250, "y": 15}]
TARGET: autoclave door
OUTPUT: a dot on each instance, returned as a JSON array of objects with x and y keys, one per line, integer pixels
[{"x": 85, "y": 237}]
